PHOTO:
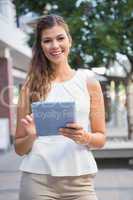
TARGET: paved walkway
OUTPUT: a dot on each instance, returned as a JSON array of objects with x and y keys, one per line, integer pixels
[{"x": 114, "y": 183}]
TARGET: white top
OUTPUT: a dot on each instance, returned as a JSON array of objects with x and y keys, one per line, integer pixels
[{"x": 59, "y": 155}]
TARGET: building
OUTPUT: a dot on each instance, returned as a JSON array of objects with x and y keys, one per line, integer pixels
[{"x": 14, "y": 60}]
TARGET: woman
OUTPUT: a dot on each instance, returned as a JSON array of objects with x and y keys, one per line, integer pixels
[{"x": 59, "y": 167}]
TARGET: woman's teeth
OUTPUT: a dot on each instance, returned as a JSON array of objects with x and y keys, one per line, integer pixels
[{"x": 56, "y": 53}]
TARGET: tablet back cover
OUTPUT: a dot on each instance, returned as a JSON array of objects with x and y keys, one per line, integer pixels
[{"x": 50, "y": 116}]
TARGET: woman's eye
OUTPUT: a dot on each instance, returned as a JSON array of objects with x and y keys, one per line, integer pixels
[
  {"x": 46, "y": 41},
  {"x": 61, "y": 38}
]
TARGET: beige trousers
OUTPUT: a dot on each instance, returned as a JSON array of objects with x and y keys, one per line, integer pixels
[{"x": 46, "y": 187}]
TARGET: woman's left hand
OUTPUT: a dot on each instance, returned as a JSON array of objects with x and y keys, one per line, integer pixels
[{"x": 76, "y": 132}]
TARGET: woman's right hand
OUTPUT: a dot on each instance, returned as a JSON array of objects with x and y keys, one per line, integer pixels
[{"x": 29, "y": 125}]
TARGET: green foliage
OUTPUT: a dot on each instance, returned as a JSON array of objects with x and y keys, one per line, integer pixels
[{"x": 99, "y": 28}]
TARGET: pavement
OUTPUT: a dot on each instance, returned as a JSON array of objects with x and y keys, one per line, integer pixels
[
  {"x": 9, "y": 175},
  {"x": 114, "y": 180}
]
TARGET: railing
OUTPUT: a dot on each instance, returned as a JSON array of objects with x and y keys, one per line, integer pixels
[{"x": 115, "y": 148}]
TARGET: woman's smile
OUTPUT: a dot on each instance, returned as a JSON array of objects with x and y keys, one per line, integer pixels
[{"x": 56, "y": 53}]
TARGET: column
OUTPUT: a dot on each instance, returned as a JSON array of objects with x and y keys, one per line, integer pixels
[{"x": 6, "y": 96}]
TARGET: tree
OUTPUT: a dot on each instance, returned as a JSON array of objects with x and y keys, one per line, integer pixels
[
  {"x": 99, "y": 30},
  {"x": 110, "y": 30}
]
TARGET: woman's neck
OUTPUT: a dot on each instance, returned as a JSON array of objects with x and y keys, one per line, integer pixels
[{"x": 63, "y": 72}]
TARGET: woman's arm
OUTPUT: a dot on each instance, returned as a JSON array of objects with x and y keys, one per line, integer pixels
[
  {"x": 97, "y": 115},
  {"x": 96, "y": 138},
  {"x": 25, "y": 131}
]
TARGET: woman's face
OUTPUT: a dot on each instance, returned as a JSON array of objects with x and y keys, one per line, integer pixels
[{"x": 55, "y": 44}]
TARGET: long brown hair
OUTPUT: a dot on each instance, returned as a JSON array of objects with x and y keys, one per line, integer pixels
[{"x": 41, "y": 72}]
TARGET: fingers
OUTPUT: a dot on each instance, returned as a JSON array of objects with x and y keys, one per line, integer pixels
[
  {"x": 28, "y": 119},
  {"x": 74, "y": 137},
  {"x": 74, "y": 126},
  {"x": 29, "y": 125},
  {"x": 69, "y": 131},
  {"x": 74, "y": 131},
  {"x": 24, "y": 122},
  {"x": 31, "y": 115}
]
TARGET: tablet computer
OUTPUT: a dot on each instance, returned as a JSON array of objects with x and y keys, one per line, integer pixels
[{"x": 50, "y": 116}]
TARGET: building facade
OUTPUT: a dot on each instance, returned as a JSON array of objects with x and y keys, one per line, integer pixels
[{"x": 14, "y": 62}]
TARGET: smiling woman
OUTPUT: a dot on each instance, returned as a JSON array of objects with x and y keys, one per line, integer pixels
[
  {"x": 56, "y": 45},
  {"x": 50, "y": 53},
  {"x": 60, "y": 166}
]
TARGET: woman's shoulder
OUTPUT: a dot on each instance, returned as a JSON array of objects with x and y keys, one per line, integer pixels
[
  {"x": 87, "y": 72},
  {"x": 90, "y": 77},
  {"x": 93, "y": 85}
]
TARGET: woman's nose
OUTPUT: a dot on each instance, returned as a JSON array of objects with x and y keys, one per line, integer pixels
[{"x": 55, "y": 44}]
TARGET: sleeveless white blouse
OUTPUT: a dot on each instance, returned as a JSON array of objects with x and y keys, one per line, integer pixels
[{"x": 59, "y": 155}]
